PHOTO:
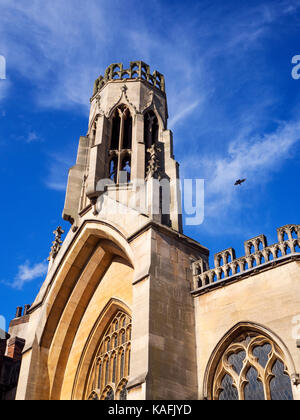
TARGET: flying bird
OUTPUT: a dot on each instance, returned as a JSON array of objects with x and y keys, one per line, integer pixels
[{"x": 240, "y": 181}]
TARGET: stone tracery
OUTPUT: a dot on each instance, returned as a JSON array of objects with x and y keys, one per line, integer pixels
[
  {"x": 252, "y": 368},
  {"x": 110, "y": 368},
  {"x": 257, "y": 252}
]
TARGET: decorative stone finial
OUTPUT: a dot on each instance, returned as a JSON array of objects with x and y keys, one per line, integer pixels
[
  {"x": 153, "y": 166},
  {"x": 56, "y": 244}
]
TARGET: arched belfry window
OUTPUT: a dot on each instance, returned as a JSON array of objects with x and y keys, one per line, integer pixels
[
  {"x": 109, "y": 370},
  {"x": 152, "y": 156},
  {"x": 120, "y": 144},
  {"x": 252, "y": 367},
  {"x": 151, "y": 129}
]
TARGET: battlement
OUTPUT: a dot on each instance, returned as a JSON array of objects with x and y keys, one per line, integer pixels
[
  {"x": 257, "y": 255},
  {"x": 137, "y": 70}
]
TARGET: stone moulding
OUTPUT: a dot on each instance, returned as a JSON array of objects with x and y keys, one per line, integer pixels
[
  {"x": 258, "y": 256},
  {"x": 137, "y": 70}
]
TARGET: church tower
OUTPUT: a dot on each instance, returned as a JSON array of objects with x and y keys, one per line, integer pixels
[
  {"x": 130, "y": 308},
  {"x": 114, "y": 318},
  {"x": 127, "y": 154}
]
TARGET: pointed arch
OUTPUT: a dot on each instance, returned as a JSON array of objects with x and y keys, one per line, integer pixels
[
  {"x": 151, "y": 129},
  {"x": 103, "y": 327},
  {"x": 120, "y": 144},
  {"x": 246, "y": 337},
  {"x": 71, "y": 284},
  {"x": 122, "y": 102},
  {"x": 152, "y": 106}
]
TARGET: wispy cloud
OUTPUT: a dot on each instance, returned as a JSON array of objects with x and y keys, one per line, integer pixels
[
  {"x": 4, "y": 90},
  {"x": 70, "y": 43},
  {"x": 30, "y": 137},
  {"x": 199, "y": 48},
  {"x": 57, "y": 176},
  {"x": 27, "y": 273},
  {"x": 183, "y": 112},
  {"x": 254, "y": 158}
]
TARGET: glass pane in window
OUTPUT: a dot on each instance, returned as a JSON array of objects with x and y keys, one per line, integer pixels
[
  {"x": 114, "y": 369},
  {"x": 110, "y": 395},
  {"x": 93, "y": 397},
  {"x": 262, "y": 353},
  {"x": 280, "y": 385},
  {"x": 236, "y": 360},
  {"x": 229, "y": 392},
  {"x": 122, "y": 365},
  {"x": 123, "y": 394},
  {"x": 100, "y": 376},
  {"x": 106, "y": 372},
  {"x": 254, "y": 390}
]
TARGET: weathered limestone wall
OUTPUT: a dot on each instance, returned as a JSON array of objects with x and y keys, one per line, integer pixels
[
  {"x": 117, "y": 284},
  {"x": 270, "y": 299},
  {"x": 172, "y": 355}
]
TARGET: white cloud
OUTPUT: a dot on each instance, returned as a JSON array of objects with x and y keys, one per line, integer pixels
[
  {"x": 183, "y": 112},
  {"x": 28, "y": 273},
  {"x": 52, "y": 45},
  {"x": 57, "y": 176},
  {"x": 61, "y": 47},
  {"x": 253, "y": 158},
  {"x": 4, "y": 90},
  {"x": 32, "y": 137}
]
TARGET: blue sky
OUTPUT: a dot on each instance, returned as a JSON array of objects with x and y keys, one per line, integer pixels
[{"x": 233, "y": 107}]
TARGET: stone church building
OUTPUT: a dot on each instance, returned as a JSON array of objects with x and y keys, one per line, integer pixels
[{"x": 130, "y": 308}]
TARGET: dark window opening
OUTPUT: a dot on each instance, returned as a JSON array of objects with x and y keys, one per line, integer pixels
[
  {"x": 115, "y": 132},
  {"x": 127, "y": 139},
  {"x": 110, "y": 395},
  {"x": 121, "y": 140},
  {"x": 151, "y": 129},
  {"x": 123, "y": 394}
]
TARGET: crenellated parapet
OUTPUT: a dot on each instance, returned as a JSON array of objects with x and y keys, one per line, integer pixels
[
  {"x": 257, "y": 254},
  {"x": 137, "y": 70}
]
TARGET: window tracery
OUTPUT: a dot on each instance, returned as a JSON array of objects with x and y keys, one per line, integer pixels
[
  {"x": 252, "y": 368},
  {"x": 110, "y": 369},
  {"x": 151, "y": 129},
  {"x": 120, "y": 144}
]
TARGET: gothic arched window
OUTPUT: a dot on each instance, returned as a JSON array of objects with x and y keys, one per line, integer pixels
[
  {"x": 120, "y": 143},
  {"x": 110, "y": 367},
  {"x": 152, "y": 155},
  {"x": 151, "y": 129},
  {"x": 252, "y": 368}
]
